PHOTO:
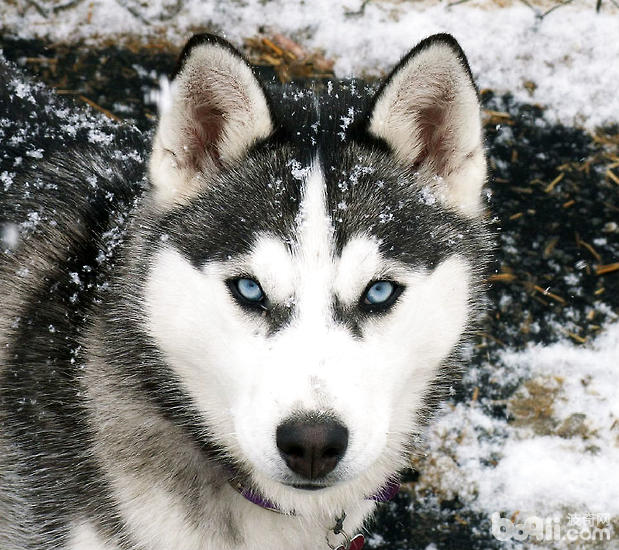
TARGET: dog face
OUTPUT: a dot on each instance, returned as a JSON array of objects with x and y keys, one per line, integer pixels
[{"x": 308, "y": 295}]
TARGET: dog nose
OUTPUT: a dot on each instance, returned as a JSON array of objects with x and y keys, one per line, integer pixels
[{"x": 312, "y": 449}]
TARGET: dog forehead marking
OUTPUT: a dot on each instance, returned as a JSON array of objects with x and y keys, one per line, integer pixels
[
  {"x": 302, "y": 271},
  {"x": 310, "y": 273},
  {"x": 314, "y": 248},
  {"x": 314, "y": 227}
]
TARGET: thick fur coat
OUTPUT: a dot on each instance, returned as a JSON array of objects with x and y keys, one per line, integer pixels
[{"x": 287, "y": 262}]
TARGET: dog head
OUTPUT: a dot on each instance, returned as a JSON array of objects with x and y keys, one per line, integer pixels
[{"x": 314, "y": 261}]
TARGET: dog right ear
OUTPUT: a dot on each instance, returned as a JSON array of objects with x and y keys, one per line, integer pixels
[
  {"x": 429, "y": 114},
  {"x": 213, "y": 112}
]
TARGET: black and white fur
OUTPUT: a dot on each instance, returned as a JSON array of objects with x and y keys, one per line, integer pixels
[{"x": 134, "y": 385}]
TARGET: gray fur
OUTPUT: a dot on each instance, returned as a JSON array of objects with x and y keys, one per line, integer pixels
[{"x": 85, "y": 392}]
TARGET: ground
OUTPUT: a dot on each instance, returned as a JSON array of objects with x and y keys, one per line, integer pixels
[{"x": 533, "y": 429}]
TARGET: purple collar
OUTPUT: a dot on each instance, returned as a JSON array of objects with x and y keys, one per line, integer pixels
[{"x": 386, "y": 493}]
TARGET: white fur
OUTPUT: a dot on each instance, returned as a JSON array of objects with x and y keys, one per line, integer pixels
[
  {"x": 213, "y": 80},
  {"x": 85, "y": 537},
  {"x": 159, "y": 522},
  {"x": 359, "y": 263},
  {"x": 430, "y": 115},
  {"x": 246, "y": 382}
]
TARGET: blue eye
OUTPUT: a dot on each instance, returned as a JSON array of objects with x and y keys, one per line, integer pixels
[
  {"x": 379, "y": 292},
  {"x": 380, "y": 295},
  {"x": 249, "y": 289}
]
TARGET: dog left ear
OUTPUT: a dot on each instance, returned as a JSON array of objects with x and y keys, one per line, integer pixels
[
  {"x": 428, "y": 112},
  {"x": 214, "y": 111}
]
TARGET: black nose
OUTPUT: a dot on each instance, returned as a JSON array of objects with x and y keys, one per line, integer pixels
[{"x": 312, "y": 448}]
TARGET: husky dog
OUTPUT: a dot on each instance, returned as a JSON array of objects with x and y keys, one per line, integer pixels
[{"x": 241, "y": 353}]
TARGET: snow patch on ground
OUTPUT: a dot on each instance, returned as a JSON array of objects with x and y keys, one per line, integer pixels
[
  {"x": 580, "y": 466},
  {"x": 566, "y": 61},
  {"x": 560, "y": 458}
]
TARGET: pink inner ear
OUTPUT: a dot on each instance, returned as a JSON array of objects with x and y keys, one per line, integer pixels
[
  {"x": 435, "y": 131},
  {"x": 203, "y": 135},
  {"x": 433, "y": 136}
]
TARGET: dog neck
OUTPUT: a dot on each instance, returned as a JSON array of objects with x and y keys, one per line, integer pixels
[{"x": 386, "y": 493}]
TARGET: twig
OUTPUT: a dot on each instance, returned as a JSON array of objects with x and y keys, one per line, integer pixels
[
  {"x": 592, "y": 251},
  {"x": 539, "y": 15},
  {"x": 564, "y": 3},
  {"x": 172, "y": 11},
  {"x": 39, "y": 8},
  {"x": 546, "y": 292},
  {"x": 612, "y": 176},
  {"x": 66, "y": 5},
  {"x": 501, "y": 277},
  {"x": 493, "y": 338},
  {"x": 359, "y": 12},
  {"x": 46, "y": 12},
  {"x": 550, "y": 247},
  {"x": 99, "y": 108},
  {"x": 575, "y": 337},
  {"x": 456, "y": 3},
  {"x": 608, "y": 268},
  {"x": 554, "y": 182},
  {"x": 133, "y": 11},
  {"x": 535, "y": 10}
]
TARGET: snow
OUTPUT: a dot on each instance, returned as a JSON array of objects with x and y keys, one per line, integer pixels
[
  {"x": 298, "y": 171},
  {"x": 566, "y": 459},
  {"x": 566, "y": 61},
  {"x": 581, "y": 470},
  {"x": 544, "y": 466},
  {"x": 9, "y": 235}
]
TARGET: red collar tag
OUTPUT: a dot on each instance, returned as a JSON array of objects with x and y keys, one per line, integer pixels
[{"x": 356, "y": 543}]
